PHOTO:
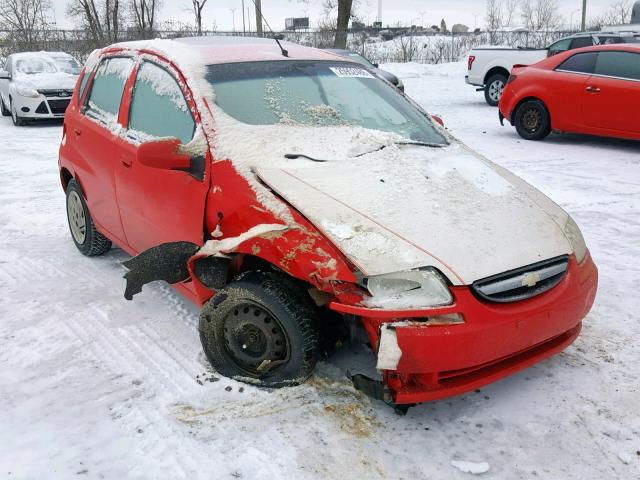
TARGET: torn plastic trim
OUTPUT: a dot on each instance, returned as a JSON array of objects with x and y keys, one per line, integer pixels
[
  {"x": 167, "y": 261},
  {"x": 389, "y": 352}
]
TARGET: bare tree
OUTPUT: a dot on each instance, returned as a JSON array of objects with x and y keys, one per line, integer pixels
[
  {"x": 26, "y": 19},
  {"x": 144, "y": 13},
  {"x": 510, "y": 10},
  {"x": 540, "y": 14},
  {"x": 102, "y": 19},
  {"x": 494, "y": 14},
  {"x": 198, "y": 5},
  {"x": 345, "y": 10},
  {"x": 618, "y": 13}
]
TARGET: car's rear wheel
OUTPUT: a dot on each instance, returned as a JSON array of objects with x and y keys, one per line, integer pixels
[
  {"x": 87, "y": 239},
  {"x": 493, "y": 89},
  {"x": 5, "y": 111},
  {"x": 261, "y": 329},
  {"x": 532, "y": 120},
  {"x": 18, "y": 121}
]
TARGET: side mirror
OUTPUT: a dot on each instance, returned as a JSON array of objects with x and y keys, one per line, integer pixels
[
  {"x": 164, "y": 155},
  {"x": 375, "y": 65},
  {"x": 4, "y": 75}
]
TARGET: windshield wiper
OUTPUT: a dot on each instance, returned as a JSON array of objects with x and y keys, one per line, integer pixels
[
  {"x": 407, "y": 142},
  {"x": 293, "y": 156}
]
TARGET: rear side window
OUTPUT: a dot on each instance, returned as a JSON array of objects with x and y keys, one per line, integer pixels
[
  {"x": 580, "y": 42},
  {"x": 580, "y": 63},
  {"x": 609, "y": 40},
  {"x": 158, "y": 106},
  {"x": 108, "y": 85},
  {"x": 618, "y": 64}
]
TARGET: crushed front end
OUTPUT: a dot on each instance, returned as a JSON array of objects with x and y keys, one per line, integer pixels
[{"x": 434, "y": 353}]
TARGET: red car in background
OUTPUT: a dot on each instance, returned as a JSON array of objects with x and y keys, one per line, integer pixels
[{"x": 594, "y": 90}]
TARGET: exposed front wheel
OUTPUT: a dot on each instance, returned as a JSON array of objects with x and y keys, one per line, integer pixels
[
  {"x": 261, "y": 328},
  {"x": 532, "y": 120},
  {"x": 494, "y": 88},
  {"x": 87, "y": 239}
]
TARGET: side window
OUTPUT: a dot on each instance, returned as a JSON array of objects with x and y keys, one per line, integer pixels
[
  {"x": 560, "y": 46},
  {"x": 609, "y": 40},
  {"x": 579, "y": 63},
  {"x": 107, "y": 87},
  {"x": 158, "y": 107},
  {"x": 83, "y": 84},
  {"x": 580, "y": 42},
  {"x": 618, "y": 64},
  {"x": 10, "y": 66}
]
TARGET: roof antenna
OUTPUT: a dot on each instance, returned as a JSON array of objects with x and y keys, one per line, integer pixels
[{"x": 284, "y": 52}]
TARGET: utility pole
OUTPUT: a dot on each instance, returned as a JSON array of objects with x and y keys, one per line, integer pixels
[
  {"x": 233, "y": 18},
  {"x": 249, "y": 18},
  {"x": 258, "y": 17},
  {"x": 584, "y": 15},
  {"x": 244, "y": 28}
]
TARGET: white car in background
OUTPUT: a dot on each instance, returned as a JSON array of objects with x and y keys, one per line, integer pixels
[{"x": 37, "y": 85}]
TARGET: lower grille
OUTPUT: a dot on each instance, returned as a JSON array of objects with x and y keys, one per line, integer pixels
[
  {"x": 522, "y": 283},
  {"x": 58, "y": 106},
  {"x": 42, "y": 108}
]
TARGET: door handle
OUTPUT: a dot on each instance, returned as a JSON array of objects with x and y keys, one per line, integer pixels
[
  {"x": 593, "y": 89},
  {"x": 125, "y": 162}
]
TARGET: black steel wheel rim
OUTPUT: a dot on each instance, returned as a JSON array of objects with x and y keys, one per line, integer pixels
[
  {"x": 254, "y": 339},
  {"x": 532, "y": 119}
]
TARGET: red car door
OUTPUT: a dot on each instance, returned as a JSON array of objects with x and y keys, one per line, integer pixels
[
  {"x": 159, "y": 205},
  {"x": 611, "y": 99},
  {"x": 96, "y": 144}
]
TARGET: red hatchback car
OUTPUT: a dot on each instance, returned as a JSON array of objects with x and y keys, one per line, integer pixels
[
  {"x": 297, "y": 197},
  {"x": 593, "y": 90}
]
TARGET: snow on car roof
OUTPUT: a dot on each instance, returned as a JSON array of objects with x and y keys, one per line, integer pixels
[{"x": 221, "y": 49}]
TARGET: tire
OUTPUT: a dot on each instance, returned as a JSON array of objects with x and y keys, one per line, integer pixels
[
  {"x": 5, "y": 111},
  {"x": 493, "y": 89},
  {"x": 18, "y": 121},
  {"x": 87, "y": 239},
  {"x": 532, "y": 120},
  {"x": 261, "y": 329}
]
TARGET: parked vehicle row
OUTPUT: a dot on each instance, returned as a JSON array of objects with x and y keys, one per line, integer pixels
[
  {"x": 265, "y": 182},
  {"x": 489, "y": 67},
  {"x": 37, "y": 85}
]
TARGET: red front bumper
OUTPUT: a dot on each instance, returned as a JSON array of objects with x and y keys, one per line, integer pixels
[{"x": 495, "y": 340}]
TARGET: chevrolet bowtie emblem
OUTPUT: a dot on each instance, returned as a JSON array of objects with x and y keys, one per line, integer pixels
[{"x": 530, "y": 279}]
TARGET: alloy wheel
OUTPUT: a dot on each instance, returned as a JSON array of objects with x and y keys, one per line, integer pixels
[{"x": 77, "y": 220}]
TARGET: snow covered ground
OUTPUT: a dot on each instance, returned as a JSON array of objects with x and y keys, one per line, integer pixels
[{"x": 93, "y": 386}]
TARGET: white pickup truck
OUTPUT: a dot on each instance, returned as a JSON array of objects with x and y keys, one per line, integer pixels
[{"x": 489, "y": 67}]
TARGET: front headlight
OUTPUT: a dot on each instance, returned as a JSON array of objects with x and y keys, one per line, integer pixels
[
  {"x": 414, "y": 289},
  {"x": 574, "y": 235},
  {"x": 27, "y": 91}
]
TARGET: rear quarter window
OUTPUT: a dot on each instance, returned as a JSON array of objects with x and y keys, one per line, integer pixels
[
  {"x": 107, "y": 87},
  {"x": 579, "y": 63}
]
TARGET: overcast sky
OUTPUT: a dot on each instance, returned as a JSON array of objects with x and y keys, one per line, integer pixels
[{"x": 405, "y": 11}]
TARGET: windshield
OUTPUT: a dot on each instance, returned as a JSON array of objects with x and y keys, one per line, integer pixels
[
  {"x": 317, "y": 94},
  {"x": 361, "y": 60},
  {"x": 68, "y": 65},
  {"x": 34, "y": 65}
]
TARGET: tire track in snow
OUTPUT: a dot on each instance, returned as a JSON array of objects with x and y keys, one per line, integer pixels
[{"x": 122, "y": 357}]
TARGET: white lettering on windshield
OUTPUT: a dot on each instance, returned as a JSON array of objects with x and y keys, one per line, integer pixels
[{"x": 350, "y": 72}]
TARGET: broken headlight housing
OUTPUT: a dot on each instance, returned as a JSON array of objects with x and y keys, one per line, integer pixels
[
  {"x": 422, "y": 288},
  {"x": 574, "y": 235},
  {"x": 27, "y": 91}
]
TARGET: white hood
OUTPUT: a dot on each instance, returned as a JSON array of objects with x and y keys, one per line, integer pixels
[
  {"x": 401, "y": 206},
  {"x": 408, "y": 207},
  {"x": 48, "y": 81}
]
